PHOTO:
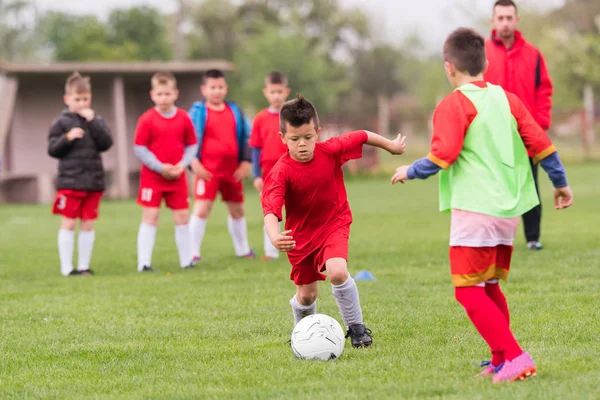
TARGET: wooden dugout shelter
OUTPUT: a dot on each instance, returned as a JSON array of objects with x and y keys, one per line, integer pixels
[{"x": 32, "y": 98}]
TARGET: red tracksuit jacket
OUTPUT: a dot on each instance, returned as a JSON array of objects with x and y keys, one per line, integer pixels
[{"x": 522, "y": 71}]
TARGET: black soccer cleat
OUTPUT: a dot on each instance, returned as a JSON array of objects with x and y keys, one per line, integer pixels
[
  {"x": 86, "y": 272},
  {"x": 74, "y": 273},
  {"x": 360, "y": 336},
  {"x": 147, "y": 268}
]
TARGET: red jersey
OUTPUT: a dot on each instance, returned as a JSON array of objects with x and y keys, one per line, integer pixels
[
  {"x": 166, "y": 138},
  {"x": 316, "y": 204},
  {"x": 454, "y": 115},
  {"x": 521, "y": 70},
  {"x": 265, "y": 136},
  {"x": 220, "y": 151}
]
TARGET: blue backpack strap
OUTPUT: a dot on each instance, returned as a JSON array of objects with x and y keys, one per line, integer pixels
[
  {"x": 242, "y": 132},
  {"x": 198, "y": 115}
]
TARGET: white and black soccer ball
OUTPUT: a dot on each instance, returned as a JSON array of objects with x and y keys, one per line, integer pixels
[{"x": 318, "y": 337}]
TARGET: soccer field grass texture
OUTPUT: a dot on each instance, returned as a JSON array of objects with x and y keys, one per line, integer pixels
[{"x": 221, "y": 331}]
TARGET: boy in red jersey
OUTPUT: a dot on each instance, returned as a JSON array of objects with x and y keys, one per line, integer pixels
[
  {"x": 309, "y": 179},
  {"x": 265, "y": 142},
  {"x": 166, "y": 144},
  {"x": 222, "y": 162},
  {"x": 482, "y": 140},
  {"x": 77, "y": 138}
]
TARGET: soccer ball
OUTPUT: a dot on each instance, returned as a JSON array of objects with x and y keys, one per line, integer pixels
[{"x": 318, "y": 337}]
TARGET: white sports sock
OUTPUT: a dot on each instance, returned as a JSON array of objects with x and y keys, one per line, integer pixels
[
  {"x": 197, "y": 229},
  {"x": 145, "y": 245},
  {"x": 66, "y": 245},
  {"x": 346, "y": 296},
  {"x": 85, "y": 244},
  {"x": 299, "y": 311},
  {"x": 270, "y": 250},
  {"x": 239, "y": 235},
  {"x": 184, "y": 245}
]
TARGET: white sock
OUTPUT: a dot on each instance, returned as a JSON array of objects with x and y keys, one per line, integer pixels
[
  {"x": 66, "y": 245},
  {"x": 145, "y": 245},
  {"x": 300, "y": 311},
  {"x": 197, "y": 229},
  {"x": 270, "y": 250},
  {"x": 346, "y": 296},
  {"x": 184, "y": 245},
  {"x": 85, "y": 245},
  {"x": 239, "y": 235}
]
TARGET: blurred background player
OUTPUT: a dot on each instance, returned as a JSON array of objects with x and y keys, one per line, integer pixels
[
  {"x": 222, "y": 162},
  {"x": 317, "y": 222},
  {"x": 165, "y": 143},
  {"x": 77, "y": 138},
  {"x": 482, "y": 136},
  {"x": 519, "y": 68},
  {"x": 265, "y": 142}
]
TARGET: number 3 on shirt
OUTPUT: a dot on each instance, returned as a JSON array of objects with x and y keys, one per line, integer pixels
[
  {"x": 200, "y": 187},
  {"x": 146, "y": 194}
]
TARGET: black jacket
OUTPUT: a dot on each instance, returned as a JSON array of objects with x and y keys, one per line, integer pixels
[{"x": 80, "y": 166}]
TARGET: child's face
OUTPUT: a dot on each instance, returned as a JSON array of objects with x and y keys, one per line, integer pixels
[
  {"x": 214, "y": 90},
  {"x": 301, "y": 141},
  {"x": 276, "y": 93},
  {"x": 78, "y": 101},
  {"x": 164, "y": 97}
]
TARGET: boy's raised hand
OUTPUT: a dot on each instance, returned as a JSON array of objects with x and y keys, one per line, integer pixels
[
  {"x": 401, "y": 174},
  {"x": 563, "y": 197},
  {"x": 284, "y": 241},
  {"x": 398, "y": 145},
  {"x": 75, "y": 133},
  {"x": 87, "y": 113}
]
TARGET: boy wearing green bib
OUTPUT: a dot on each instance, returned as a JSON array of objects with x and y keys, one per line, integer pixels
[{"x": 482, "y": 140}]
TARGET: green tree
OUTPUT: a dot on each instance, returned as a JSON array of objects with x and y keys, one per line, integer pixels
[
  {"x": 133, "y": 34},
  {"x": 17, "y": 39},
  {"x": 143, "y": 26},
  {"x": 308, "y": 69}
]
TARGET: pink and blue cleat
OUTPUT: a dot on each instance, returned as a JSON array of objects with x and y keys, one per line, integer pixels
[
  {"x": 489, "y": 368},
  {"x": 519, "y": 368}
]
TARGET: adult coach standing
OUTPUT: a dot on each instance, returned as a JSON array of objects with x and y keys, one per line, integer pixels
[{"x": 519, "y": 67}]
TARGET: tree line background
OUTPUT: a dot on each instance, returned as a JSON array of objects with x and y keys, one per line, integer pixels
[{"x": 329, "y": 53}]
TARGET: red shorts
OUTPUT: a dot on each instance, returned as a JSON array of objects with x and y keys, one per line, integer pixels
[
  {"x": 474, "y": 265},
  {"x": 77, "y": 204},
  {"x": 308, "y": 269},
  {"x": 231, "y": 190},
  {"x": 152, "y": 192}
]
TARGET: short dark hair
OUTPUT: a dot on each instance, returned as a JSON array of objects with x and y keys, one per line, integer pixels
[
  {"x": 212, "y": 73},
  {"x": 76, "y": 83},
  {"x": 465, "y": 49},
  {"x": 276, "y": 78},
  {"x": 298, "y": 112},
  {"x": 163, "y": 78},
  {"x": 505, "y": 3}
]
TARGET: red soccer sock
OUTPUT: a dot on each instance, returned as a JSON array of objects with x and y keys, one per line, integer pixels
[
  {"x": 490, "y": 323},
  {"x": 493, "y": 292}
]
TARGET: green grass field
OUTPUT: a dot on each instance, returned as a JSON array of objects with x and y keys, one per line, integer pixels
[{"x": 220, "y": 331}]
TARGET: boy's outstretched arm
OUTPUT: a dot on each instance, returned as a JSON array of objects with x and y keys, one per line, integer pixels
[
  {"x": 396, "y": 146},
  {"x": 283, "y": 241}
]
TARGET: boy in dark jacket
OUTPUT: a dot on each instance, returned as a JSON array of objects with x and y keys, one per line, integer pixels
[{"x": 77, "y": 138}]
